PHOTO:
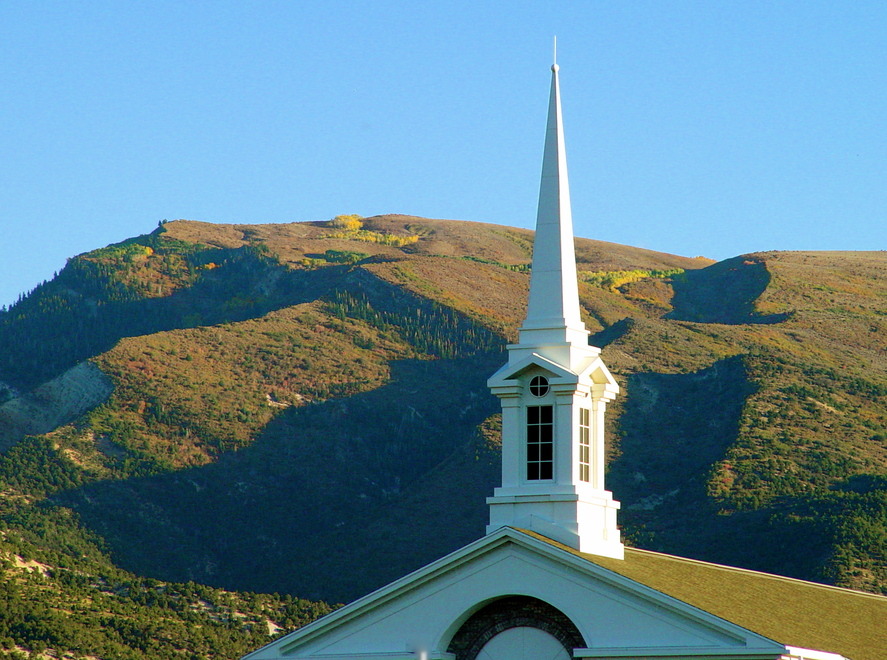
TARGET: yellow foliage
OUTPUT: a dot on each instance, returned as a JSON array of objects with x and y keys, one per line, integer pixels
[
  {"x": 311, "y": 263},
  {"x": 375, "y": 237},
  {"x": 346, "y": 222},
  {"x": 613, "y": 279}
]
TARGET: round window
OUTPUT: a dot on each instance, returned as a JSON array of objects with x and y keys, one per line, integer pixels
[{"x": 539, "y": 386}]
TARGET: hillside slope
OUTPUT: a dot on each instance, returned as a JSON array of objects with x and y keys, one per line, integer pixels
[{"x": 302, "y": 409}]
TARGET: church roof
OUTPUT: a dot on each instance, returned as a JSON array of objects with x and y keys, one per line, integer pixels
[{"x": 793, "y": 612}]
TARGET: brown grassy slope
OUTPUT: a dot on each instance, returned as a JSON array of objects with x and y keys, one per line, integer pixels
[
  {"x": 809, "y": 415},
  {"x": 833, "y": 375},
  {"x": 194, "y": 393},
  {"x": 437, "y": 266},
  {"x": 441, "y": 238},
  {"x": 186, "y": 396},
  {"x": 837, "y": 299}
]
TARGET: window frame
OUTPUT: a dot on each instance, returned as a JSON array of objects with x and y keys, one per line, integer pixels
[
  {"x": 539, "y": 443},
  {"x": 584, "y": 445},
  {"x": 539, "y": 386}
]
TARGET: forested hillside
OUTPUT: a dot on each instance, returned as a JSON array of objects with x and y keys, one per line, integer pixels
[{"x": 203, "y": 426}]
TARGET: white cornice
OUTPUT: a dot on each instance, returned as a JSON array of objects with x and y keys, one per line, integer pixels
[{"x": 681, "y": 653}]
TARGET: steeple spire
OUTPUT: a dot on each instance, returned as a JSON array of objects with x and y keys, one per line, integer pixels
[
  {"x": 555, "y": 388},
  {"x": 553, "y": 307}
]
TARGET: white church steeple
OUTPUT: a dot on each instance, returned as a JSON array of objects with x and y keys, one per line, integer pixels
[
  {"x": 553, "y": 308},
  {"x": 555, "y": 387}
]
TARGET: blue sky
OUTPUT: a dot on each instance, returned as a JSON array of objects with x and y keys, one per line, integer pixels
[{"x": 698, "y": 128}]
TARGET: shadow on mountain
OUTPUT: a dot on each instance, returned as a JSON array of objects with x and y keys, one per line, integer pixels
[
  {"x": 674, "y": 428},
  {"x": 386, "y": 480},
  {"x": 724, "y": 292},
  {"x": 675, "y": 425},
  {"x": 612, "y": 333},
  {"x": 84, "y": 312}
]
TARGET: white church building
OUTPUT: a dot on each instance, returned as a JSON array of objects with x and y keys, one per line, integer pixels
[{"x": 551, "y": 579}]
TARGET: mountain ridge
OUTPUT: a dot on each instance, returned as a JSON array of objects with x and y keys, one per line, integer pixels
[{"x": 314, "y": 393}]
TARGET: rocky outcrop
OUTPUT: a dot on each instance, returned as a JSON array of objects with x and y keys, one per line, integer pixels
[{"x": 54, "y": 403}]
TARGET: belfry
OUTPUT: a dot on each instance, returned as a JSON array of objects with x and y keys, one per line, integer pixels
[{"x": 555, "y": 387}]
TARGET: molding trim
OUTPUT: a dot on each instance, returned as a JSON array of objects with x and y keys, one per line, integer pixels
[
  {"x": 679, "y": 653},
  {"x": 513, "y": 612}
]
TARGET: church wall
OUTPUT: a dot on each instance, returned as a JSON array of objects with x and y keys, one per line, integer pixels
[{"x": 605, "y": 615}]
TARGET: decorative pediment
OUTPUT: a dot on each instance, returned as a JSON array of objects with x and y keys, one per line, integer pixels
[
  {"x": 603, "y": 383},
  {"x": 598, "y": 373},
  {"x": 423, "y": 613},
  {"x": 508, "y": 374},
  {"x": 595, "y": 373}
]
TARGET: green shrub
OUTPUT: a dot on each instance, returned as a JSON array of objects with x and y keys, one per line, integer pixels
[{"x": 344, "y": 256}]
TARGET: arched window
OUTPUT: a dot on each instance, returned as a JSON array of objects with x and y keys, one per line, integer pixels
[
  {"x": 524, "y": 643},
  {"x": 516, "y": 628}
]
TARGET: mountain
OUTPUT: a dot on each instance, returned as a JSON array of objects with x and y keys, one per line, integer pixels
[{"x": 201, "y": 418}]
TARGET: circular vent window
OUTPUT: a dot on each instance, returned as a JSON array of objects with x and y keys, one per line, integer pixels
[{"x": 539, "y": 386}]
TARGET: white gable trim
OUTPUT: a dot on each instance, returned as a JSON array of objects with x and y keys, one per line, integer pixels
[
  {"x": 676, "y": 653},
  {"x": 387, "y": 593},
  {"x": 668, "y": 603},
  {"x": 796, "y": 653},
  {"x": 753, "y": 646},
  {"x": 510, "y": 371},
  {"x": 598, "y": 365}
]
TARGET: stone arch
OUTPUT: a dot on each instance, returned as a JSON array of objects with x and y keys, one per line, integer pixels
[{"x": 513, "y": 612}]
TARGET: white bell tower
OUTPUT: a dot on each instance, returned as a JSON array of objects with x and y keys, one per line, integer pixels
[{"x": 555, "y": 388}]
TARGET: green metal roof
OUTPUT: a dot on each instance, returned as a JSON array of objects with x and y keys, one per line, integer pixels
[{"x": 791, "y": 612}]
